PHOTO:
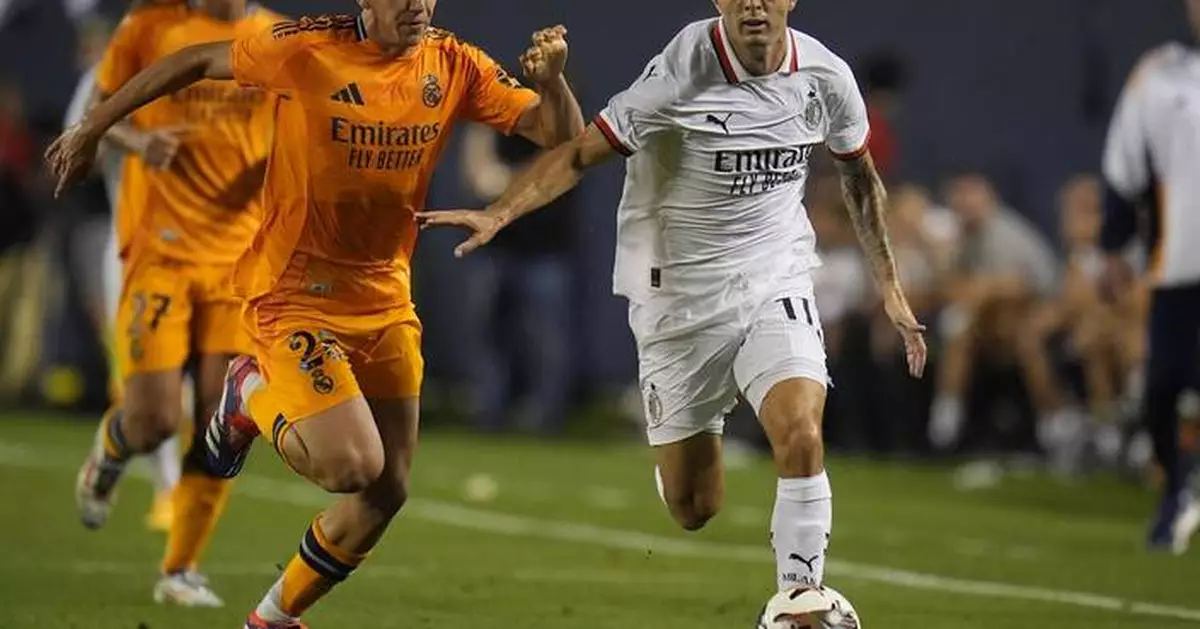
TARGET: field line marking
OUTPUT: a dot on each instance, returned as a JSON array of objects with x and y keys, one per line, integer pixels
[{"x": 300, "y": 494}]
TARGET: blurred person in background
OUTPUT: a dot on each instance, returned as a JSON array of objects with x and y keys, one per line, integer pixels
[
  {"x": 17, "y": 154},
  {"x": 187, "y": 211},
  {"x": 923, "y": 258},
  {"x": 885, "y": 76},
  {"x": 1095, "y": 342},
  {"x": 1151, "y": 162},
  {"x": 530, "y": 265},
  {"x": 1005, "y": 271},
  {"x": 22, "y": 268},
  {"x": 164, "y": 462}
]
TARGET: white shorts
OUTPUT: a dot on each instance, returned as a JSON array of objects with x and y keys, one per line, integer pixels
[{"x": 691, "y": 372}]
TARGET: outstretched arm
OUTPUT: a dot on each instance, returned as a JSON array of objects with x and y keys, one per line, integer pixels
[
  {"x": 552, "y": 175},
  {"x": 72, "y": 153},
  {"x": 171, "y": 74},
  {"x": 555, "y": 119},
  {"x": 866, "y": 200}
]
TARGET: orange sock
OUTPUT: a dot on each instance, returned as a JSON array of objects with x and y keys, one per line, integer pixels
[
  {"x": 310, "y": 574},
  {"x": 115, "y": 447},
  {"x": 199, "y": 501}
]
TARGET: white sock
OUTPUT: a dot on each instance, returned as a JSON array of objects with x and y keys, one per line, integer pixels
[
  {"x": 658, "y": 482},
  {"x": 269, "y": 608},
  {"x": 945, "y": 421},
  {"x": 164, "y": 465},
  {"x": 800, "y": 528}
]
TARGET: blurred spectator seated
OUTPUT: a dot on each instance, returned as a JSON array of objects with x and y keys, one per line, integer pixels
[
  {"x": 521, "y": 360},
  {"x": 1004, "y": 276},
  {"x": 1097, "y": 344}
]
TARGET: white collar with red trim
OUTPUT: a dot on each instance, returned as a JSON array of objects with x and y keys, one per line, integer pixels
[{"x": 733, "y": 69}]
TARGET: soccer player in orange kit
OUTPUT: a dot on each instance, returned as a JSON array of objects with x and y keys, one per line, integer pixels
[
  {"x": 367, "y": 103},
  {"x": 186, "y": 212}
]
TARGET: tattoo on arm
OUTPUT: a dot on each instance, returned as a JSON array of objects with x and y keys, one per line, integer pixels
[{"x": 866, "y": 200}]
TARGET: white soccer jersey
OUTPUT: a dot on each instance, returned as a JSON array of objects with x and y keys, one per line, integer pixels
[
  {"x": 1153, "y": 152},
  {"x": 718, "y": 161}
]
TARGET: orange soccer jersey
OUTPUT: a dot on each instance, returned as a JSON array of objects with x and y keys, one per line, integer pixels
[
  {"x": 201, "y": 210},
  {"x": 360, "y": 136}
]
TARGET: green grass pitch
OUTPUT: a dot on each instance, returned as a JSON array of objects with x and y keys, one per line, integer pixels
[{"x": 575, "y": 536}]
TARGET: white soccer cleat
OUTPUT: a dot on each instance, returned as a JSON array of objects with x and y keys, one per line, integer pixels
[
  {"x": 1185, "y": 525},
  {"x": 96, "y": 485},
  {"x": 186, "y": 589}
]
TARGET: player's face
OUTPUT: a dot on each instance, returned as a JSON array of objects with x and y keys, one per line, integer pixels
[
  {"x": 398, "y": 23},
  {"x": 755, "y": 22}
]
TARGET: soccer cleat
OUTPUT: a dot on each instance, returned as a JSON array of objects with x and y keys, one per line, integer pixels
[
  {"x": 1178, "y": 519},
  {"x": 96, "y": 485},
  {"x": 231, "y": 430},
  {"x": 186, "y": 589},
  {"x": 254, "y": 621},
  {"x": 162, "y": 512},
  {"x": 1186, "y": 523}
]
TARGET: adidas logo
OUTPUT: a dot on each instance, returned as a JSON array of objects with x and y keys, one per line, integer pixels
[{"x": 349, "y": 95}]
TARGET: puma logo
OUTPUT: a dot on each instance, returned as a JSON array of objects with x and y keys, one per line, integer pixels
[
  {"x": 724, "y": 124},
  {"x": 807, "y": 562}
]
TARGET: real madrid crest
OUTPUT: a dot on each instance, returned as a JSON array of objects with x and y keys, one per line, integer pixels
[
  {"x": 431, "y": 91},
  {"x": 814, "y": 113}
]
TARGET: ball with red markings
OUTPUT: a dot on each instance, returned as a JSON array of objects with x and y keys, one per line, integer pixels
[{"x": 809, "y": 608}]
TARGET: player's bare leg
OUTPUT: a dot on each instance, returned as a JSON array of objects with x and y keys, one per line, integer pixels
[
  {"x": 199, "y": 499},
  {"x": 691, "y": 479},
  {"x": 340, "y": 538},
  {"x": 148, "y": 417},
  {"x": 791, "y": 416}
]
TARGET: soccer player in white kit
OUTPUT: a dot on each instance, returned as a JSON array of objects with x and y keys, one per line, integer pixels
[
  {"x": 714, "y": 252},
  {"x": 1152, "y": 160}
]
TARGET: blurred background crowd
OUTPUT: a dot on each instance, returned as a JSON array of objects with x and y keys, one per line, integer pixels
[{"x": 988, "y": 127}]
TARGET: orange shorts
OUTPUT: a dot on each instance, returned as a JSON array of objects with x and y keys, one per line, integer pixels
[
  {"x": 170, "y": 310},
  {"x": 312, "y": 362}
]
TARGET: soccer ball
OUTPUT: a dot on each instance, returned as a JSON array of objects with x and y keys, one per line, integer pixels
[{"x": 809, "y": 608}]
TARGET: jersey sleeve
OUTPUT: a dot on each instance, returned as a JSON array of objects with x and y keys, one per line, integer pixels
[
  {"x": 265, "y": 56},
  {"x": 494, "y": 97},
  {"x": 849, "y": 131},
  {"x": 126, "y": 53},
  {"x": 634, "y": 115},
  {"x": 1126, "y": 162}
]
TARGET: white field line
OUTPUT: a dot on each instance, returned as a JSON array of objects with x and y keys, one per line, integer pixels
[
  {"x": 377, "y": 571},
  {"x": 493, "y": 522}
]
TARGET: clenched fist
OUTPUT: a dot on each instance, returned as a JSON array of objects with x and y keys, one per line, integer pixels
[{"x": 545, "y": 60}]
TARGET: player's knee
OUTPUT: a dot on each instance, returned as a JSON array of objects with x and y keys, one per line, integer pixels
[
  {"x": 797, "y": 445},
  {"x": 146, "y": 428},
  {"x": 349, "y": 470},
  {"x": 389, "y": 493},
  {"x": 693, "y": 510}
]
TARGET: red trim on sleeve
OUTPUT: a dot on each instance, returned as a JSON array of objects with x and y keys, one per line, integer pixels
[
  {"x": 795, "y": 52},
  {"x": 611, "y": 136},
  {"x": 855, "y": 154}
]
